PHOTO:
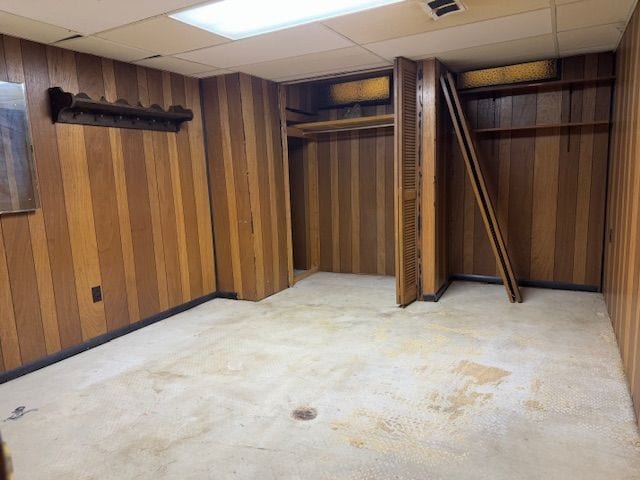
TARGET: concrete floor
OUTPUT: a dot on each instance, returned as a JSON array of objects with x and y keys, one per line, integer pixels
[{"x": 470, "y": 387}]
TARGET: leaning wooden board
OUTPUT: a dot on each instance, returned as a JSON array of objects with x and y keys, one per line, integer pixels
[{"x": 478, "y": 183}]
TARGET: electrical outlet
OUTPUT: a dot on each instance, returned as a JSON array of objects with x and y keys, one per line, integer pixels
[{"x": 96, "y": 294}]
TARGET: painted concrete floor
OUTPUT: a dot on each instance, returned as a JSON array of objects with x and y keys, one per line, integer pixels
[{"x": 468, "y": 388}]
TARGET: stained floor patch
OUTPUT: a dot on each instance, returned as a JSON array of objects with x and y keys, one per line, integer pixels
[{"x": 304, "y": 413}]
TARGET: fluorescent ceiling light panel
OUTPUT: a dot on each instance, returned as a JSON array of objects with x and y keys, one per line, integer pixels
[{"x": 236, "y": 19}]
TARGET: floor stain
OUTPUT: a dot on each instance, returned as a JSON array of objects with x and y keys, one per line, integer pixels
[
  {"x": 482, "y": 374},
  {"x": 356, "y": 442},
  {"x": 304, "y": 413},
  {"x": 533, "y": 405}
]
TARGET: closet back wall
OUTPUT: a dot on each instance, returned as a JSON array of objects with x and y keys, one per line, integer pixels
[
  {"x": 343, "y": 185},
  {"x": 124, "y": 209},
  {"x": 548, "y": 185}
]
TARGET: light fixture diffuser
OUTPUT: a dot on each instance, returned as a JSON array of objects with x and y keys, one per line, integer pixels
[{"x": 237, "y": 19}]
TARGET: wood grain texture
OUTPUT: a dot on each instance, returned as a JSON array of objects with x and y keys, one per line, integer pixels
[
  {"x": 434, "y": 122},
  {"x": 101, "y": 219},
  {"x": 337, "y": 210},
  {"x": 547, "y": 185},
  {"x": 622, "y": 248},
  {"x": 406, "y": 183},
  {"x": 241, "y": 115},
  {"x": 78, "y": 201}
]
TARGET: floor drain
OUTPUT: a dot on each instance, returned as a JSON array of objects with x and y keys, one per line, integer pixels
[{"x": 304, "y": 413}]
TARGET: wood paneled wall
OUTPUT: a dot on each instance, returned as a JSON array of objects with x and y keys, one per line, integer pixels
[
  {"x": 342, "y": 199},
  {"x": 305, "y": 218},
  {"x": 622, "y": 256},
  {"x": 124, "y": 209},
  {"x": 548, "y": 185},
  {"x": 434, "y": 128},
  {"x": 244, "y": 153}
]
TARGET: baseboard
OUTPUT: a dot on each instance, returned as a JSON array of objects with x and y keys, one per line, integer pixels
[
  {"x": 526, "y": 283},
  {"x": 436, "y": 296},
  {"x": 107, "y": 337},
  {"x": 227, "y": 295}
]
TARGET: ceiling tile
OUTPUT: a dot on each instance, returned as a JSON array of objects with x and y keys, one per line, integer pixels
[
  {"x": 603, "y": 37},
  {"x": 176, "y": 65},
  {"x": 211, "y": 73},
  {"x": 304, "y": 66},
  {"x": 163, "y": 35},
  {"x": 588, "y": 13},
  {"x": 499, "y": 30},
  {"x": 31, "y": 29},
  {"x": 91, "y": 16},
  {"x": 271, "y": 46},
  {"x": 408, "y": 18},
  {"x": 498, "y": 54},
  {"x": 104, "y": 48}
]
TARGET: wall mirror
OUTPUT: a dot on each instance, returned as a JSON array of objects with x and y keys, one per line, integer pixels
[{"x": 17, "y": 179}]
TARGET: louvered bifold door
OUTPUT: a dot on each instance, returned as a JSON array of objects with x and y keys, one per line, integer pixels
[{"x": 406, "y": 180}]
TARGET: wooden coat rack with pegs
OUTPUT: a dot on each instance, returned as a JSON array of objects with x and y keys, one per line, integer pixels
[{"x": 81, "y": 109}]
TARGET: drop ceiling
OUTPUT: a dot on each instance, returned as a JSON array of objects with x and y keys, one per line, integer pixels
[{"x": 488, "y": 33}]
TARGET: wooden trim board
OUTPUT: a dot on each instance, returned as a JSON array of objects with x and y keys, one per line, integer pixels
[{"x": 481, "y": 193}]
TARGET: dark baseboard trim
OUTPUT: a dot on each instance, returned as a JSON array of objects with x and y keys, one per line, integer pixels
[
  {"x": 527, "y": 283},
  {"x": 435, "y": 297},
  {"x": 107, "y": 337},
  {"x": 227, "y": 295}
]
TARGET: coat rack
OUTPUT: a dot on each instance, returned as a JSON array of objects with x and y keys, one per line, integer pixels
[{"x": 81, "y": 109}]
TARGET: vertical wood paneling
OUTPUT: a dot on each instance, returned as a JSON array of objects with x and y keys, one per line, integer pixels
[
  {"x": 379, "y": 149},
  {"x": 122, "y": 202},
  {"x": 200, "y": 186},
  {"x": 548, "y": 185},
  {"x": 98, "y": 222},
  {"x": 192, "y": 248},
  {"x": 78, "y": 201},
  {"x": 243, "y": 154},
  {"x": 176, "y": 184},
  {"x": 355, "y": 187},
  {"x": 368, "y": 231},
  {"x": 313, "y": 203},
  {"x": 138, "y": 197},
  {"x": 8, "y": 332},
  {"x": 37, "y": 232},
  {"x": 168, "y": 221},
  {"x": 47, "y": 162},
  {"x": 103, "y": 191},
  {"x": 545, "y": 188},
  {"x": 433, "y": 200},
  {"x": 154, "y": 201},
  {"x": 622, "y": 255},
  {"x": 22, "y": 281},
  {"x": 325, "y": 207},
  {"x": 272, "y": 184}
]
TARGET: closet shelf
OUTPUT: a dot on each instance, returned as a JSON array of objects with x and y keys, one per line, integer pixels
[
  {"x": 534, "y": 86},
  {"x": 539, "y": 127},
  {"x": 360, "y": 123}
]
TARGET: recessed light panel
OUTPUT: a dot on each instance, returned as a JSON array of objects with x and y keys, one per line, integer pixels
[{"x": 236, "y": 19}]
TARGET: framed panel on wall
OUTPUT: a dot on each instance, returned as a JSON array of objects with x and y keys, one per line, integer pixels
[{"x": 18, "y": 191}]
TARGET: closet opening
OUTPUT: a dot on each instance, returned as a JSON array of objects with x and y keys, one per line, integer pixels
[{"x": 340, "y": 139}]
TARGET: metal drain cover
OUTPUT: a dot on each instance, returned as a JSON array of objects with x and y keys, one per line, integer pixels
[{"x": 304, "y": 413}]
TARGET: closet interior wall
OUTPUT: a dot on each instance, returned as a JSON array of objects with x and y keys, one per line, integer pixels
[
  {"x": 341, "y": 193},
  {"x": 548, "y": 185}
]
